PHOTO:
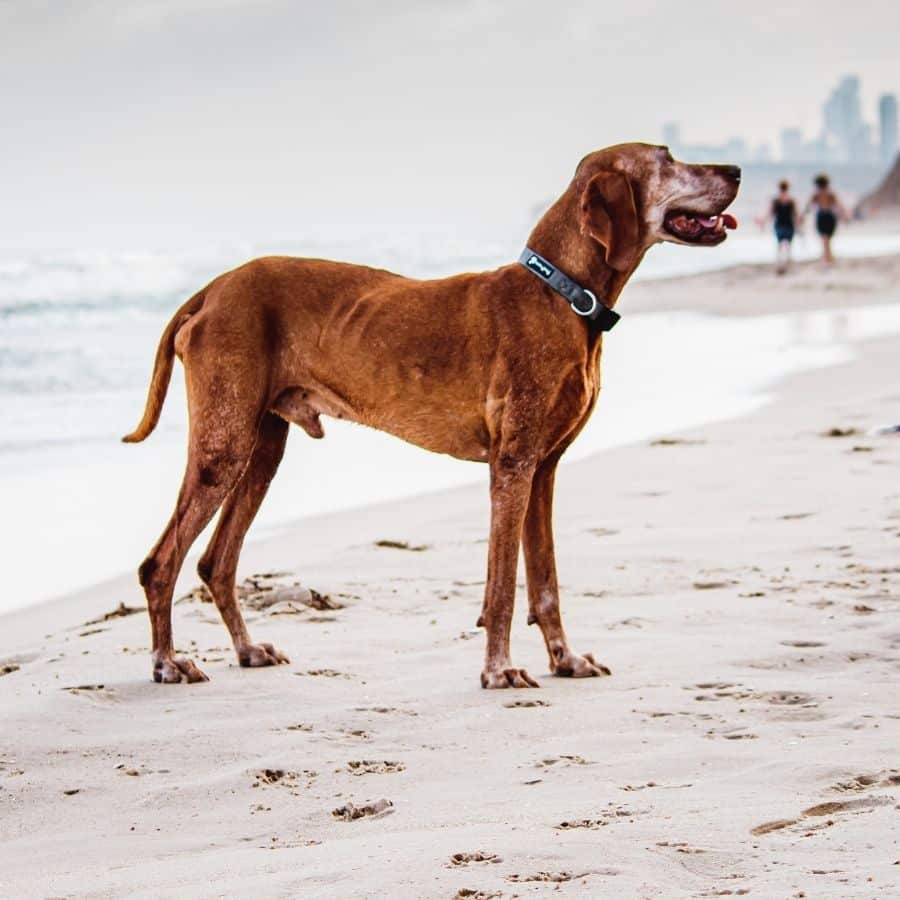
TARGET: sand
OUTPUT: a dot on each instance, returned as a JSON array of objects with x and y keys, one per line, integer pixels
[{"x": 741, "y": 580}]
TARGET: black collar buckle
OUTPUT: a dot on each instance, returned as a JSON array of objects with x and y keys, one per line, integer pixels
[{"x": 584, "y": 303}]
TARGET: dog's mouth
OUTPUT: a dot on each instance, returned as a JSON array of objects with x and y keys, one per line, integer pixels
[{"x": 692, "y": 228}]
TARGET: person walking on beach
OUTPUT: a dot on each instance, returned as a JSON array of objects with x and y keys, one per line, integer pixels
[
  {"x": 828, "y": 209},
  {"x": 783, "y": 212}
]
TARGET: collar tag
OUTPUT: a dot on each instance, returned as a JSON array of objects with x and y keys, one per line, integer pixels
[{"x": 583, "y": 302}]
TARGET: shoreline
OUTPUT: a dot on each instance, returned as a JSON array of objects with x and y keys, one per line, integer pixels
[
  {"x": 755, "y": 289},
  {"x": 740, "y": 580}
]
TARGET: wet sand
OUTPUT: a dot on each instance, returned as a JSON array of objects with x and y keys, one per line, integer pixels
[{"x": 741, "y": 580}]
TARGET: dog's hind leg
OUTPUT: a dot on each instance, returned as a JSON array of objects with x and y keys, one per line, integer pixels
[
  {"x": 225, "y": 412},
  {"x": 208, "y": 478},
  {"x": 543, "y": 590},
  {"x": 218, "y": 565}
]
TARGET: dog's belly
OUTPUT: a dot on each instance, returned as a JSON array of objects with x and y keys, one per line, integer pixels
[
  {"x": 447, "y": 427},
  {"x": 453, "y": 433}
]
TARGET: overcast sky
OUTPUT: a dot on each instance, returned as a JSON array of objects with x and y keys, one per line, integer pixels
[{"x": 141, "y": 123}]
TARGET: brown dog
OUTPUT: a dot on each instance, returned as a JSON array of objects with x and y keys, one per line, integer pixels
[{"x": 494, "y": 367}]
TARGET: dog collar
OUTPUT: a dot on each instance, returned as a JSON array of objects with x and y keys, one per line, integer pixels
[{"x": 583, "y": 302}]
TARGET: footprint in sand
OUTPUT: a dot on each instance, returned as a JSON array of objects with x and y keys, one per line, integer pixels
[
  {"x": 277, "y": 843},
  {"x": 525, "y": 704},
  {"x": 612, "y": 814},
  {"x": 565, "y": 759},
  {"x": 552, "y": 877},
  {"x": 719, "y": 690},
  {"x": 831, "y": 807},
  {"x": 350, "y": 813},
  {"x": 774, "y": 825},
  {"x": 728, "y": 892},
  {"x": 820, "y": 810},
  {"x": 680, "y": 847},
  {"x": 631, "y": 622},
  {"x": 276, "y": 776},
  {"x": 655, "y": 784},
  {"x": 788, "y": 705},
  {"x": 474, "y": 894},
  {"x": 120, "y": 612},
  {"x": 401, "y": 545},
  {"x": 374, "y": 766},
  {"x": 358, "y": 733},
  {"x": 787, "y": 698},
  {"x": 603, "y": 532},
  {"x": 738, "y": 733},
  {"x": 323, "y": 673},
  {"x": 285, "y": 779},
  {"x": 803, "y": 644},
  {"x": 384, "y": 710},
  {"x": 478, "y": 856},
  {"x": 558, "y": 877},
  {"x": 864, "y": 782},
  {"x": 582, "y": 823},
  {"x": 94, "y": 692}
]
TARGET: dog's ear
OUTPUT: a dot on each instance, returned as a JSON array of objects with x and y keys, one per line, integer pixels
[{"x": 609, "y": 216}]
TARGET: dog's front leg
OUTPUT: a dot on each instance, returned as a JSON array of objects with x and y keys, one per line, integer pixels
[
  {"x": 543, "y": 590},
  {"x": 510, "y": 487}
]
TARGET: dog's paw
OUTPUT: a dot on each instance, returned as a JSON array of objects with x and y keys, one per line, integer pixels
[
  {"x": 507, "y": 678},
  {"x": 255, "y": 655},
  {"x": 174, "y": 669},
  {"x": 573, "y": 665}
]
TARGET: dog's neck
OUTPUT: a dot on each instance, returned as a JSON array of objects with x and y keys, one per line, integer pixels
[{"x": 558, "y": 237}]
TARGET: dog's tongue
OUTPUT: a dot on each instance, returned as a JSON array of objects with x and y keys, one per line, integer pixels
[{"x": 728, "y": 221}]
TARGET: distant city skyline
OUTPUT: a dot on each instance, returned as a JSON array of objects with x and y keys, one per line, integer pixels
[{"x": 845, "y": 135}]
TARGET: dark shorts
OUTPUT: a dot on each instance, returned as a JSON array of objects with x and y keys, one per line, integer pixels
[
  {"x": 784, "y": 233},
  {"x": 826, "y": 222}
]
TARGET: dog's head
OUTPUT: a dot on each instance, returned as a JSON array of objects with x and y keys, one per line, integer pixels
[{"x": 637, "y": 195}]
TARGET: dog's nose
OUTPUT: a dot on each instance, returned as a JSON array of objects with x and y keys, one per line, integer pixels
[{"x": 733, "y": 172}]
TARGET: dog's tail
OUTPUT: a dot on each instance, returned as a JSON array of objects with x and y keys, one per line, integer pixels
[{"x": 162, "y": 370}]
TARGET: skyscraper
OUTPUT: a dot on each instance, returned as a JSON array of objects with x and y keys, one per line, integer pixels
[
  {"x": 844, "y": 124},
  {"x": 887, "y": 121}
]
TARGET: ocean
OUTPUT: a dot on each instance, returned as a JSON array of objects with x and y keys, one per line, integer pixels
[{"x": 78, "y": 332}]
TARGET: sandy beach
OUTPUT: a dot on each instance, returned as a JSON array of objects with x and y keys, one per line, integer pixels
[{"x": 740, "y": 579}]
